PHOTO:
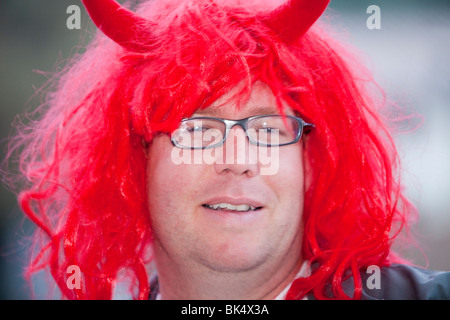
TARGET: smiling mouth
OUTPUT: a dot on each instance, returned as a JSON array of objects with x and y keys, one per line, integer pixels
[{"x": 232, "y": 207}]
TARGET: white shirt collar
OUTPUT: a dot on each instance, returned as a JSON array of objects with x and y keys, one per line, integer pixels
[{"x": 303, "y": 272}]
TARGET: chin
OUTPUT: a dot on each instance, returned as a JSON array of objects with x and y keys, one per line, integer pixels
[{"x": 234, "y": 259}]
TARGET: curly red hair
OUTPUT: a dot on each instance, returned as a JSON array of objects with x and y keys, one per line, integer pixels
[{"x": 85, "y": 165}]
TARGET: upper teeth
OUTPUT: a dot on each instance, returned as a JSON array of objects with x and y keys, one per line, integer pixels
[{"x": 240, "y": 207}]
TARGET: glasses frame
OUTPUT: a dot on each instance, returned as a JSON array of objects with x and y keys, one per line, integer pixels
[{"x": 243, "y": 123}]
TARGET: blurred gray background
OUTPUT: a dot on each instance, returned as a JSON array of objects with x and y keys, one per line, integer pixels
[{"x": 409, "y": 55}]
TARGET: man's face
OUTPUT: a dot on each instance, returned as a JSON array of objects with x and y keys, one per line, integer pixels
[{"x": 189, "y": 230}]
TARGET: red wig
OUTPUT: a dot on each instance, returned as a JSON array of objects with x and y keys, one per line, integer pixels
[{"x": 85, "y": 164}]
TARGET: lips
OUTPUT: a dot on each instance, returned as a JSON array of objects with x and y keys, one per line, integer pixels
[
  {"x": 236, "y": 205},
  {"x": 231, "y": 207}
]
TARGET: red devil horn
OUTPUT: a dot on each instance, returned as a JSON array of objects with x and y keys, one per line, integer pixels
[
  {"x": 117, "y": 22},
  {"x": 293, "y": 19}
]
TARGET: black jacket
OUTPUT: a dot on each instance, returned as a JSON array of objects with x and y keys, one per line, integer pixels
[{"x": 401, "y": 282}]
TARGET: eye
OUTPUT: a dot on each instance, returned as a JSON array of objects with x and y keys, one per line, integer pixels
[
  {"x": 196, "y": 128},
  {"x": 271, "y": 129},
  {"x": 268, "y": 129}
]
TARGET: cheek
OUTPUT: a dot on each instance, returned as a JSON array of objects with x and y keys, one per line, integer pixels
[
  {"x": 158, "y": 171},
  {"x": 292, "y": 169},
  {"x": 289, "y": 183},
  {"x": 169, "y": 186},
  {"x": 162, "y": 176}
]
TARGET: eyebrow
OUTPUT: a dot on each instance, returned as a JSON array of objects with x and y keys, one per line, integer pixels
[{"x": 250, "y": 110}]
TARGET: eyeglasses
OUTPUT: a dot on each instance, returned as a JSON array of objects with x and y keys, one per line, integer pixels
[{"x": 266, "y": 130}]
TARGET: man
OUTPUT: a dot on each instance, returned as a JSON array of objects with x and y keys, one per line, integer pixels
[{"x": 230, "y": 144}]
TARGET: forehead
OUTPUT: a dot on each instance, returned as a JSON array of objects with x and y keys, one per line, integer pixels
[{"x": 261, "y": 101}]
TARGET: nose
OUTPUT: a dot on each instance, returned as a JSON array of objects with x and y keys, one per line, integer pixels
[{"x": 237, "y": 156}]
